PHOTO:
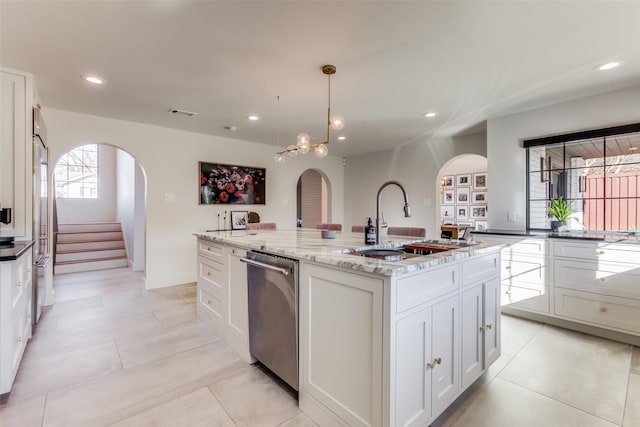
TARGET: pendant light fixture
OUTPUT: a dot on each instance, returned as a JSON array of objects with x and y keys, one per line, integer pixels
[{"x": 304, "y": 144}]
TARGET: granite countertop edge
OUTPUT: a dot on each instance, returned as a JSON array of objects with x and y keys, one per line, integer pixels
[
  {"x": 321, "y": 252},
  {"x": 16, "y": 251},
  {"x": 609, "y": 237}
]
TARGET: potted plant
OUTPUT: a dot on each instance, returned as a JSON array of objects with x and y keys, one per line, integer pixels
[{"x": 561, "y": 210}]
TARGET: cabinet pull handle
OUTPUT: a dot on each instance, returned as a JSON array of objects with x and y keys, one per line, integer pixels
[
  {"x": 508, "y": 267},
  {"x": 19, "y": 339},
  {"x": 435, "y": 362},
  {"x": 233, "y": 251},
  {"x": 486, "y": 327},
  {"x": 18, "y": 283}
]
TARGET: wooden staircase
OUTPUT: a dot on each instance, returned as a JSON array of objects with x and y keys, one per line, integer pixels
[{"x": 88, "y": 247}]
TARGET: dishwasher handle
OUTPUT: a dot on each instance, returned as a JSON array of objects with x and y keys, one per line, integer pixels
[{"x": 283, "y": 271}]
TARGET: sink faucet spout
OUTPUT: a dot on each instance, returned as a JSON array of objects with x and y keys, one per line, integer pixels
[{"x": 407, "y": 208}]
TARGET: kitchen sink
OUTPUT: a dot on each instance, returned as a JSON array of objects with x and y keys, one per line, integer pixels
[
  {"x": 384, "y": 254},
  {"x": 408, "y": 251}
]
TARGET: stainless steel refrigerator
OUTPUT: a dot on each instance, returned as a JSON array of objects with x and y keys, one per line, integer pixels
[{"x": 41, "y": 256}]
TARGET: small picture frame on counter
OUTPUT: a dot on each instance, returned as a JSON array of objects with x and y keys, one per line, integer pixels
[
  {"x": 482, "y": 225},
  {"x": 239, "y": 220}
]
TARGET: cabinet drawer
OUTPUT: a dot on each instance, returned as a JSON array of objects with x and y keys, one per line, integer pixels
[
  {"x": 212, "y": 274},
  {"x": 524, "y": 269},
  {"x": 210, "y": 305},
  {"x": 602, "y": 278},
  {"x": 211, "y": 251},
  {"x": 525, "y": 298},
  {"x": 621, "y": 313},
  {"x": 415, "y": 290},
  {"x": 484, "y": 267},
  {"x": 600, "y": 251},
  {"x": 527, "y": 246}
]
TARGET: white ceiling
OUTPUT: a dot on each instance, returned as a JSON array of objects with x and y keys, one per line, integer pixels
[{"x": 396, "y": 60}]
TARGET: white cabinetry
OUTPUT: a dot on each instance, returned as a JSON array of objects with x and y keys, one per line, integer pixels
[
  {"x": 427, "y": 362},
  {"x": 598, "y": 283},
  {"x": 15, "y": 316},
  {"x": 524, "y": 276},
  {"x": 341, "y": 344},
  {"x": 222, "y": 294},
  {"x": 16, "y": 97},
  {"x": 480, "y": 329}
]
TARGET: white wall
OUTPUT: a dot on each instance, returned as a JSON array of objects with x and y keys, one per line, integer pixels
[
  {"x": 102, "y": 209},
  {"x": 416, "y": 166},
  {"x": 169, "y": 159},
  {"x": 506, "y": 157},
  {"x": 139, "y": 220},
  {"x": 129, "y": 202}
]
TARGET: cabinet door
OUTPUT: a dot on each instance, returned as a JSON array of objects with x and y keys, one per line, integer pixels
[
  {"x": 472, "y": 346},
  {"x": 413, "y": 377},
  {"x": 492, "y": 330},
  {"x": 445, "y": 341},
  {"x": 237, "y": 311}
]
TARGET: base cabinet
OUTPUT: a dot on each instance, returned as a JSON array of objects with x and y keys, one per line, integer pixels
[
  {"x": 480, "y": 329},
  {"x": 15, "y": 316},
  {"x": 427, "y": 360}
]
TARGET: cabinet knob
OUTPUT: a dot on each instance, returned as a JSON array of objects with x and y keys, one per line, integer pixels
[
  {"x": 19, "y": 339},
  {"x": 602, "y": 279},
  {"x": 603, "y": 309},
  {"x": 508, "y": 267},
  {"x": 486, "y": 327},
  {"x": 507, "y": 292},
  {"x": 209, "y": 301},
  {"x": 600, "y": 252},
  {"x": 508, "y": 244},
  {"x": 18, "y": 283},
  {"x": 435, "y": 362},
  {"x": 233, "y": 251}
]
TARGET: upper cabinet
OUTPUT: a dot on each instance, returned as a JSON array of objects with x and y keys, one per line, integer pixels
[{"x": 16, "y": 101}]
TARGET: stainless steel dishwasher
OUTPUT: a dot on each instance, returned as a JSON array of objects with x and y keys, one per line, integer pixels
[{"x": 273, "y": 313}]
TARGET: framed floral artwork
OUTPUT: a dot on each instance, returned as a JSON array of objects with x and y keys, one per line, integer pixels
[
  {"x": 479, "y": 197},
  {"x": 239, "y": 220},
  {"x": 479, "y": 181},
  {"x": 478, "y": 212},
  {"x": 463, "y": 180},
  {"x": 462, "y": 195},
  {"x": 231, "y": 184}
]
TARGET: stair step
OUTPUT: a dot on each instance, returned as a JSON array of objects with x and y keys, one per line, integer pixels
[
  {"x": 63, "y": 247},
  {"x": 62, "y": 257},
  {"x": 89, "y": 227},
  {"x": 89, "y": 265},
  {"x": 89, "y": 236}
]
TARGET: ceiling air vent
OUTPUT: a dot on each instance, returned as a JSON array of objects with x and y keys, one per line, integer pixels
[{"x": 180, "y": 112}]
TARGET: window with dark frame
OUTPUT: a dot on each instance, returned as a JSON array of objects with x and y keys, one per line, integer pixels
[{"x": 598, "y": 171}]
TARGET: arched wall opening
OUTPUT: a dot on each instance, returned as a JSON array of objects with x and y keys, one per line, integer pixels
[
  {"x": 313, "y": 199},
  {"x": 121, "y": 198},
  {"x": 462, "y": 187}
]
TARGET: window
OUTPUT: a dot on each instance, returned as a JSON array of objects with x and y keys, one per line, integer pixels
[
  {"x": 76, "y": 173},
  {"x": 598, "y": 171}
]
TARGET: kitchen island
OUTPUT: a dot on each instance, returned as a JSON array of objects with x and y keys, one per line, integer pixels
[{"x": 381, "y": 343}]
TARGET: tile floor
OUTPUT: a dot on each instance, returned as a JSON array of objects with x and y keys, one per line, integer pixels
[{"x": 110, "y": 353}]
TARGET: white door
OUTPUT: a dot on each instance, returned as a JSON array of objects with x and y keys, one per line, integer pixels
[{"x": 445, "y": 381}]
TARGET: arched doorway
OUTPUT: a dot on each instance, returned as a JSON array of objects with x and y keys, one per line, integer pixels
[
  {"x": 463, "y": 201},
  {"x": 313, "y": 199},
  {"x": 99, "y": 210}
]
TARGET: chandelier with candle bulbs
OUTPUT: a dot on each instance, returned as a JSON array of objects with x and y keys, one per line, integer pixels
[{"x": 304, "y": 144}]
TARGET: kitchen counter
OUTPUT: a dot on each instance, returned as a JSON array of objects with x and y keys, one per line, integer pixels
[
  {"x": 307, "y": 244},
  {"x": 15, "y": 251},
  {"x": 606, "y": 236}
]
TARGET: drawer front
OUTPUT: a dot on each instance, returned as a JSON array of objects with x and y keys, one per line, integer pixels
[
  {"x": 481, "y": 268},
  {"x": 418, "y": 289},
  {"x": 210, "y": 305},
  {"x": 527, "y": 246},
  {"x": 211, "y": 251},
  {"x": 600, "y": 251},
  {"x": 602, "y": 310},
  {"x": 213, "y": 274},
  {"x": 602, "y": 278},
  {"x": 524, "y": 269},
  {"x": 525, "y": 298}
]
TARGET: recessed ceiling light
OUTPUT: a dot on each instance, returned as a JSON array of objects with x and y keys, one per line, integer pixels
[
  {"x": 609, "y": 66},
  {"x": 342, "y": 138},
  {"x": 253, "y": 117},
  {"x": 94, "y": 79},
  {"x": 429, "y": 115}
]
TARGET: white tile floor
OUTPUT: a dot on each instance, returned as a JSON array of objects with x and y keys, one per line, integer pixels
[{"x": 110, "y": 353}]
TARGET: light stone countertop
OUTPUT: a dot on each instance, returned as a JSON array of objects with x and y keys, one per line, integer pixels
[{"x": 308, "y": 245}]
